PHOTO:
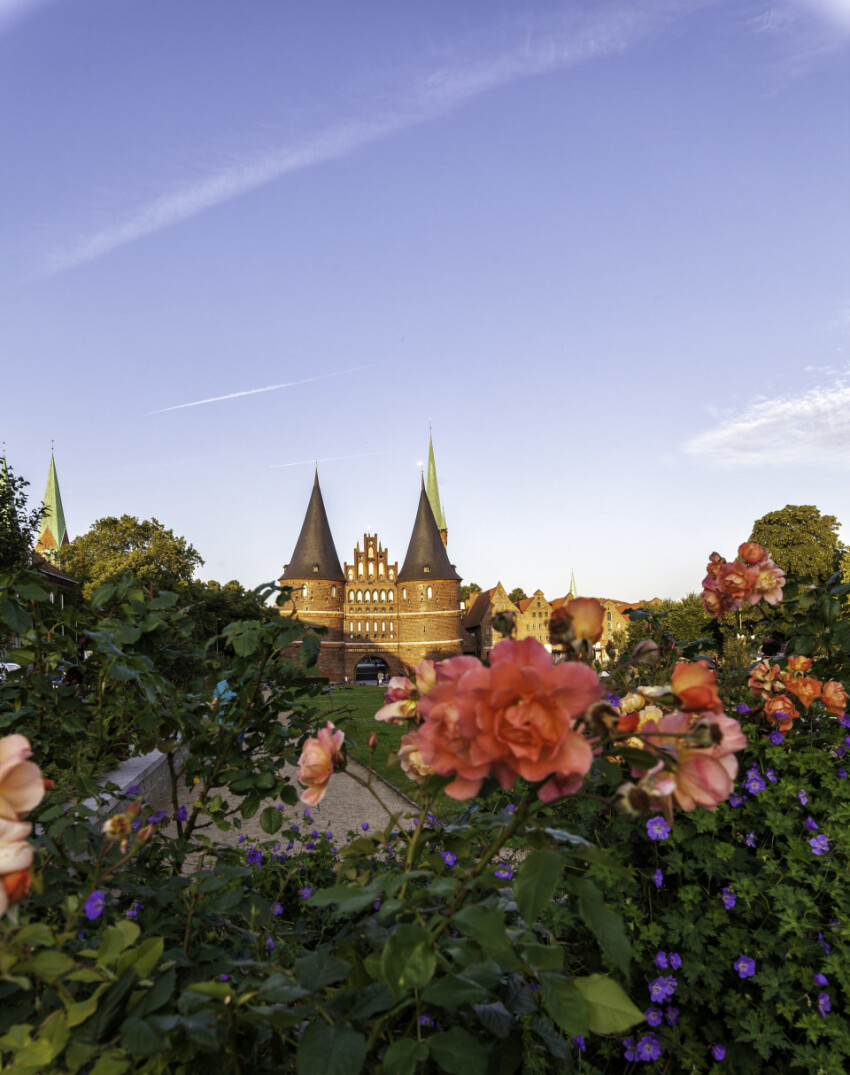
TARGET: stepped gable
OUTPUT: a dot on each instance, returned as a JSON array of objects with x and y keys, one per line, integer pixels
[
  {"x": 426, "y": 554},
  {"x": 315, "y": 554}
]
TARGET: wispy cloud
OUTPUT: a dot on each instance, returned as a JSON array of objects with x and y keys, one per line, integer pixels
[
  {"x": 545, "y": 47},
  {"x": 807, "y": 30},
  {"x": 327, "y": 459},
  {"x": 256, "y": 391},
  {"x": 802, "y": 429},
  {"x": 12, "y": 11}
]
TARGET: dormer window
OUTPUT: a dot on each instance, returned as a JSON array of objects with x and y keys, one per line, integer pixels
[
  {"x": 315, "y": 569},
  {"x": 426, "y": 568}
]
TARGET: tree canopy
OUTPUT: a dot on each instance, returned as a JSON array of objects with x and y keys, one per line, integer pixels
[
  {"x": 517, "y": 594},
  {"x": 802, "y": 541},
  {"x": 158, "y": 559},
  {"x": 470, "y": 590},
  {"x": 18, "y": 526}
]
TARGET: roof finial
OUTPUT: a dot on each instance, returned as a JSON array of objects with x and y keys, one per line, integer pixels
[
  {"x": 316, "y": 477},
  {"x": 51, "y": 445}
]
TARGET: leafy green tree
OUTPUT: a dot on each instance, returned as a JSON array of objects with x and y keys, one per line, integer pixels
[
  {"x": 158, "y": 559},
  {"x": 212, "y": 606},
  {"x": 18, "y": 526},
  {"x": 517, "y": 595},
  {"x": 802, "y": 541},
  {"x": 469, "y": 591}
]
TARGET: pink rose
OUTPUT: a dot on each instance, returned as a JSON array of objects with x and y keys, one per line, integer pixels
[
  {"x": 410, "y": 758},
  {"x": 319, "y": 759},
  {"x": 15, "y": 856},
  {"x": 21, "y": 783},
  {"x": 751, "y": 552},
  {"x": 768, "y": 583}
]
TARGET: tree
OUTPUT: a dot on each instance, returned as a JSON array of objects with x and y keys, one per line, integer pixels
[
  {"x": 158, "y": 559},
  {"x": 517, "y": 595},
  {"x": 212, "y": 606},
  {"x": 18, "y": 527},
  {"x": 469, "y": 591},
  {"x": 803, "y": 542}
]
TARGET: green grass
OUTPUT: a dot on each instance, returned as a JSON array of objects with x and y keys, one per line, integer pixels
[{"x": 353, "y": 709}]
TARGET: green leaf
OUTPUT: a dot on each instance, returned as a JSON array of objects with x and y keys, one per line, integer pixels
[
  {"x": 140, "y": 1039},
  {"x": 49, "y": 964},
  {"x": 457, "y": 1052},
  {"x": 609, "y": 1009},
  {"x": 271, "y": 820},
  {"x": 536, "y": 881},
  {"x": 110, "y": 1064},
  {"x": 403, "y": 1055},
  {"x": 452, "y": 991},
  {"x": 346, "y": 898},
  {"x": 320, "y": 969},
  {"x": 330, "y": 1050},
  {"x": 495, "y": 1018},
  {"x": 408, "y": 960},
  {"x": 85, "y": 1009},
  {"x": 483, "y": 924},
  {"x": 565, "y": 1004},
  {"x": 250, "y": 805},
  {"x": 144, "y": 958},
  {"x": 606, "y": 926},
  {"x": 15, "y": 617}
]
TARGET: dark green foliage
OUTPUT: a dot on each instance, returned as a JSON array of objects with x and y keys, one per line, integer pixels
[
  {"x": 802, "y": 541},
  {"x": 18, "y": 526}
]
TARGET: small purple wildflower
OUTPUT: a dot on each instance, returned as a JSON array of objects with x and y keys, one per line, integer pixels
[
  {"x": 750, "y": 839},
  {"x": 253, "y": 857},
  {"x": 578, "y": 1041},
  {"x": 364, "y": 825},
  {"x": 819, "y": 844},
  {"x": 329, "y": 835},
  {"x": 290, "y": 845},
  {"x": 718, "y": 1051},
  {"x": 729, "y": 898},
  {"x": 653, "y": 1016},
  {"x": 132, "y": 790},
  {"x": 426, "y": 1020},
  {"x": 841, "y": 752},
  {"x": 649, "y": 1048},
  {"x": 657, "y": 828},
  {"x": 821, "y": 980},
  {"x": 376, "y": 906},
  {"x": 504, "y": 873},
  {"x": 269, "y": 944},
  {"x": 660, "y": 960},
  {"x": 241, "y": 839},
  {"x": 841, "y": 774},
  {"x": 449, "y": 857},
  {"x": 613, "y": 700},
  {"x": 662, "y": 988},
  {"x": 754, "y": 782},
  {"x": 823, "y": 944},
  {"x": 307, "y": 814},
  {"x": 182, "y": 813},
  {"x": 94, "y": 905},
  {"x": 631, "y": 1049},
  {"x": 776, "y": 737},
  {"x": 133, "y": 912},
  {"x": 745, "y": 966},
  {"x": 309, "y": 846},
  {"x": 224, "y": 977},
  {"x": 771, "y": 775},
  {"x": 844, "y": 720},
  {"x": 306, "y": 893},
  {"x": 823, "y": 1004},
  {"x": 803, "y": 797},
  {"x": 811, "y": 824},
  {"x": 672, "y": 1016},
  {"x": 737, "y": 800},
  {"x": 276, "y": 909},
  {"x": 158, "y": 816},
  {"x": 509, "y": 809},
  {"x": 675, "y": 960},
  {"x": 658, "y": 878},
  {"x": 741, "y": 708}
]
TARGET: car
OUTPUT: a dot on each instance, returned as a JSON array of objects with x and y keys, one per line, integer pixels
[{"x": 7, "y": 667}]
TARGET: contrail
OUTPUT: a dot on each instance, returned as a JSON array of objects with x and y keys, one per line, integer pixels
[
  {"x": 254, "y": 391},
  {"x": 327, "y": 459}
]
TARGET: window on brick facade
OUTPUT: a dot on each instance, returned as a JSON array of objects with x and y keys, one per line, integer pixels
[
  {"x": 359, "y": 595},
  {"x": 351, "y": 626},
  {"x": 429, "y": 593},
  {"x": 392, "y": 573},
  {"x": 304, "y": 590},
  {"x": 404, "y": 593},
  {"x": 383, "y": 626},
  {"x": 391, "y": 596},
  {"x": 383, "y": 595},
  {"x": 333, "y": 591},
  {"x": 358, "y": 626},
  {"x": 381, "y": 570},
  {"x": 360, "y": 570},
  {"x": 351, "y": 595}
]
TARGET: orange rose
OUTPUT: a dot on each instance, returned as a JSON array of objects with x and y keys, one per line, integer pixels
[
  {"x": 695, "y": 685},
  {"x": 319, "y": 758},
  {"x": 805, "y": 688},
  {"x": 751, "y": 552},
  {"x": 799, "y": 663},
  {"x": 17, "y": 885},
  {"x": 588, "y": 616},
  {"x": 765, "y": 679},
  {"x": 781, "y": 711},
  {"x": 736, "y": 580},
  {"x": 410, "y": 758},
  {"x": 834, "y": 697}
]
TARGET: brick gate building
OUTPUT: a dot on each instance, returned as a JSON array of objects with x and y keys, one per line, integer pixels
[{"x": 378, "y": 618}]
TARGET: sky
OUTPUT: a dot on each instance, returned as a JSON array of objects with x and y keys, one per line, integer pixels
[{"x": 600, "y": 250}]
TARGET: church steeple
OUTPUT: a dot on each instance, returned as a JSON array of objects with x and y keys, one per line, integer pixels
[
  {"x": 315, "y": 555},
  {"x": 52, "y": 532},
  {"x": 426, "y": 555},
  {"x": 433, "y": 491},
  {"x": 573, "y": 590}
]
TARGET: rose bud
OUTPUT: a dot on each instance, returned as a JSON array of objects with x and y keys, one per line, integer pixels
[
  {"x": 372, "y": 741},
  {"x": 144, "y": 834}
]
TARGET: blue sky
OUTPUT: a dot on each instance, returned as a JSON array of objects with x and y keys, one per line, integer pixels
[{"x": 602, "y": 249}]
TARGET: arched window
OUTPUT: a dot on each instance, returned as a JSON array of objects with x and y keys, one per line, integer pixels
[
  {"x": 383, "y": 595},
  {"x": 371, "y": 551},
  {"x": 367, "y": 596},
  {"x": 304, "y": 590},
  {"x": 404, "y": 593},
  {"x": 359, "y": 595},
  {"x": 351, "y": 595},
  {"x": 351, "y": 572},
  {"x": 383, "y": 626},
  {"x": 391, "y": 626},
  {"x": 376, "y": 626},
  {"x": 333, "y": 591},
  {"x": 381, "y": 570},
  {"x": 429, "y": 593},
  {"x": 392, "y": 573},
  {"x": 351, "y": 626},
  {"x": 358, "y": 626},
  {"x": 360, "y": 570},
  {"x": 390, "y": 595}
]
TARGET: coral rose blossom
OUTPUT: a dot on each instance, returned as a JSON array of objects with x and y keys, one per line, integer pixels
[
  {"x": 768, "y": 584},
  {"x": 21, "y": 784},
  {"x": 695, "y": 685},
  {"x": 834, "y": 697},
  {"x": 319, "y": 758},
  {"x": 806, "y": 688},
  {"x": 588, "y": 616},
  {"x": 410, "y": 758},
  {"x": 402, "y": 697},
  {"x": 781, "y": 711},
  {"x": 704, "y": 776},
  {"x": 15, "y": 858},
  {"x": 751, "y": 552},
  {"x": 513, "y": 719},
  {"x": 736, "y": 580}
]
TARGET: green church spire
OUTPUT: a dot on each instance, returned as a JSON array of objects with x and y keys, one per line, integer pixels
[
  {"x": 432, "y": 489},
  {"x": 52, "y": 533},
  {"x": 573, "y": 590}
]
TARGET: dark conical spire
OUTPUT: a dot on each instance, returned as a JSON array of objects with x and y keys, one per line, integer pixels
[
  {"x": 315, "y": 553},
  {"x": 426, "y": 555}
]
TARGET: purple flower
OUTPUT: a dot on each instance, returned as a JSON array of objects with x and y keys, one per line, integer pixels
[
  {"x": 672, "y": 1016},
  {"x": 811, "y": 824},
  {"x": 364, "y": 825},
  {"x": 823, "y": 944},
  {"x": 844, "y": 720},
  {"x": 649, "y": 1048},
  {"x": 290, "y": 845},
  {"x": 662, "y": 988},
  {"x": 653, "y": 1016},
  {"x": 841, "y": 752},
  {"x": 241, "y": 839},
  {"x": 504, "y": 873},
  {"x": 509, "y": 809},
  {"x": 132, "y": 790},
  {"x": 729, "y": 898},
  {"x": 821, "y": 980},
  {"x": 841, "y": 774},
  {"x": 94, "y": 905},
  {"x": 376, "y": 906},
  {"x": 737, "y": 800},
  {"x": 254, "y": 857},
  {"x": 309, "y": 846},
  {"x": 276, "y": 909},
  {"x": 750, "y": 839},
  {"x": 158, "y": 816},
  {"x": 449, "y": 858},
  {"x": 658, "y": 878},
  {"x": 675, "y": 960},
  {"x": 745, "y": 966},
  {"x": 823, "y": 1004},
  {"x": 269, "y": 944},
  {"x": 819, "y": 844},
  {"x": 182, "y": 814},
  {"x": 578, "y": 1041},
  {"x": 629, "y": 1046},
  {"x": 741, "y": 708},
  {"x": 613, "y": 700},
  {"x": 754, "y": 782},
  {"x": 803, "y": 797},
  {"x": 306, "y": 893},
  {"x": 133, "y": 912},
  {"x": 776, "y": 737},
  {"x": 307, "y": 814},
  {"x": 426, "y": 1020},
  {"x": 224, "y": 977},
  {"x": 771, "y": 775},
  {"x": 296, "y": 830},
  {"x": 657, "y": 828},
  {"x": 718, "y": 1051},
  {"x": 329, "y": 835},
  {"x": 660, "y": 960}
]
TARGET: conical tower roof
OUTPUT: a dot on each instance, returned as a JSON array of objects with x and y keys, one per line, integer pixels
[
  {"x": 52, "y": 533},
  {"x": 573, "y": 590},
  {"x": 426, "y": 554},
  {"x": 315, "y": 554},
  {"x": 433, "y": 489}
]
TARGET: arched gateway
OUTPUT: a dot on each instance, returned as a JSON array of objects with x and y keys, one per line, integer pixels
[{"x": 371, "y": 670}]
